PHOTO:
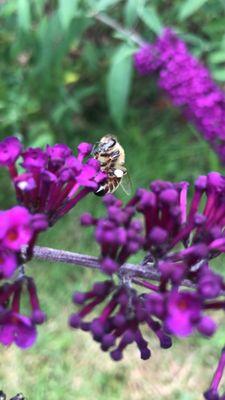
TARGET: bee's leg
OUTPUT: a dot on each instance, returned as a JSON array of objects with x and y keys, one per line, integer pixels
[
  {"x": 110, "y": 156},
  {"x": 114, "y": 155}
]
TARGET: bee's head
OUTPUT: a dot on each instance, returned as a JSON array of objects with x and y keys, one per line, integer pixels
[{"x": 107, "y": 142}]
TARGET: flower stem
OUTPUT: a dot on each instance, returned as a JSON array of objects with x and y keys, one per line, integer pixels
[
  {"x": 129, "y": 34},
  {"x": 147, "y": 271},
  {"x": 55, "y": 255}
]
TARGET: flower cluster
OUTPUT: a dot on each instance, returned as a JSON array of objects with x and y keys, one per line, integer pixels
[
  {"x": 53, "y": 180},
  {"x": 120, "y": 319},
  {"x": 188, "y": 84},
  {"x": 18, "y": 228},
  {"x": 179, "y": 241},
  {"x": 15, "y": 327}
]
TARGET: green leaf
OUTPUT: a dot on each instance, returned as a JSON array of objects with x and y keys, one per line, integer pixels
[
  {"x": 219, "y": 74},
  {"x": 217, "y": 57},
  {"x": 151, "y": 18},
  {"x": 131, "y": 12},
  {"x": 189, "y": 7},
  {"x": 24, "y": 16},
  {"x": 67, "y": 10},
  {"x": 43, "y": 139},
  {"x": 119, "y": 83},
  {"x": 102, "y": 5}
]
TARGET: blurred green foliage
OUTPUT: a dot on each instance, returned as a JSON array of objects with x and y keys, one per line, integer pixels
[
  {"x": 63, "y": 71},
  {"x": 66, "y": 77}
]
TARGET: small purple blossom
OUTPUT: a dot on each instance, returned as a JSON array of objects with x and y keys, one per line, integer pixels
[
  {"x": 184, "y": 312},
  {"x": 8, "y": 262},
  {"x": 34, "y": 160},
  {"x": 188, "y": 84},
  {"x": 18, "y": 228},
  {"x": 10, "y": 150},
  {"x": 18, "y": 329}
]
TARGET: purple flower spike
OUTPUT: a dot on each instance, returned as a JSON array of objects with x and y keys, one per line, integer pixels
[
  {"x": 10, "y": 150},
  {"x": 188, "y": 84}
]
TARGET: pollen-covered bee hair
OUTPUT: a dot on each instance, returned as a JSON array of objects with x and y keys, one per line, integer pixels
[{"x": 111, "y": 156}]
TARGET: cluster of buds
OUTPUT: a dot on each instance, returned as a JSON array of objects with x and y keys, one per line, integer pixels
[
  {"x": 118, "y": 234},
  {"x": 53, "y": 180},
  {"x": 120, "y": 319},
  {"x": 179, "y": 241},
  {"x": 188, "y": 84}
]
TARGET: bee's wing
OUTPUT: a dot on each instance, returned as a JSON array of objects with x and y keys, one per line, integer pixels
[{"x": 126, "y": 184}]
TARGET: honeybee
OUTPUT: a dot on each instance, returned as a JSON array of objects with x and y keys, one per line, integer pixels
[{"x": 111, "y": 156}]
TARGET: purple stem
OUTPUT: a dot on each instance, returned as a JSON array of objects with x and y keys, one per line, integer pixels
[
  {"x": 55, "y": 255},
  {"x": 147, "y": 271},
  {"x": 219, "y": 372}
]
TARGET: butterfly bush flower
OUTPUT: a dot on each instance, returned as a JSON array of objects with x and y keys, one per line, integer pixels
[
  {"x": 189, "y": 85},
  {"x": 53, "y": 180}
]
